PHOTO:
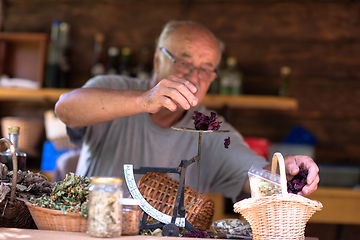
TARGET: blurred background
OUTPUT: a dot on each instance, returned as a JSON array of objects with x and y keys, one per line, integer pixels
[{"x": 318, "y": 43}]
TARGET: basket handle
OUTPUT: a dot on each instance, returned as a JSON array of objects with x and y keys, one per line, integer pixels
[
  {"x": 15, "y": 167},
  {"x": 279, "y": 159}
]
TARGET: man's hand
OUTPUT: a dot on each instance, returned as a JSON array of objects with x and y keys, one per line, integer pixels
[
  {"x": 292, "y": 164},
  {"x": 170, "y": 92}
]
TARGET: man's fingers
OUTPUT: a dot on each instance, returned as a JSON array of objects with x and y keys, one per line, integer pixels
[
  {"x": 312, "y": 168},
  {"x": 179, "y": 90}
]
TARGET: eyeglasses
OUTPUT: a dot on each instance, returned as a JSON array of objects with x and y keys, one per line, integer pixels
[{"x": 187, "y": 68}]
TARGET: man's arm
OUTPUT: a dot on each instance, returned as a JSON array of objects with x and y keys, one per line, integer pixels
[{"x": 89, "y": 106}]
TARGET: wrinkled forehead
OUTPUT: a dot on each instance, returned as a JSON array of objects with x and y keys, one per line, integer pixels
[{"x": 193, "y": 42}]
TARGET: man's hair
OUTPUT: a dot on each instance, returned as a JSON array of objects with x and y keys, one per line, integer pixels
[{"x": 171, "y": 26}]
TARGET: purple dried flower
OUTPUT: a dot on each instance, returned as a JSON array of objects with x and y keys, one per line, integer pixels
[
  {"x": 198, "y": 234},
  {"x": 203, "y": 122},
  {"x": 297, "y": 183},
  {"x": 227, "y": 142}
]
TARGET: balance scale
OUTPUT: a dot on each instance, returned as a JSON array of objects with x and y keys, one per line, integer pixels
[{"x": 169, "y": 224}]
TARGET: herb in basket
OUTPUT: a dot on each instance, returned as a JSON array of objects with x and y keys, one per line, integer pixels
[
  {"x": 28, "y": 185},
  {"x": 69, "y": 195}
]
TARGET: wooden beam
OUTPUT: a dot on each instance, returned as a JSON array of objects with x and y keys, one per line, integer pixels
[{"x": 251, "y": 101}]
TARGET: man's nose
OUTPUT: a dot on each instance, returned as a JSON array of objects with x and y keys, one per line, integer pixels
[{"x": 193, "y": 75}]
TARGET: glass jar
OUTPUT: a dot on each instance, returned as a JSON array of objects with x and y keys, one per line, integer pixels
[
  {"x": 131, "y": 216},
  {"x": 6, "y": 157},
  {"x": 105, "y": 218}
]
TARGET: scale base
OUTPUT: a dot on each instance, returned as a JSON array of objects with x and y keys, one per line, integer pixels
[{"x": 171, "y": 230}]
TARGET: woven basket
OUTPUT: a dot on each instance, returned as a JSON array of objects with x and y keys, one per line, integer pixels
[
  {"x": 282, "y": 216},
  {"x": 49, "y": 219},
  {"x": 14, "y": 213},
  {"x": 160, "y": 191}
]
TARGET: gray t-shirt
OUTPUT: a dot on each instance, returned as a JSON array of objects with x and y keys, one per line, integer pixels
[{"x": 106, "y": 147}]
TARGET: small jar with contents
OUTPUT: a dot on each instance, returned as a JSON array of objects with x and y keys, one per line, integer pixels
[
  {"x": 105, "y": 208},
  {"x": 131, "y": 216}
]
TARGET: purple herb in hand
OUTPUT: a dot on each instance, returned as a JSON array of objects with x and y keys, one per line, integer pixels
[
  {"x": 297, "y": 183},
  {"x": 227, "y": 142}
]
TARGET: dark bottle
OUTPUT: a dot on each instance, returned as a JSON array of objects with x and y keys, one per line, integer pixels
[
  {"x": 98, "y": 63},
  {"x": 6, "y": 157},
  {"x": 284, "y": 81},
  {"x": 64, "y": 64},
  {"x": 113, "y": 53},
  {"x": 52, "y": 61},
  {"x": 143, "y": 68},
  {"x": 124, "y": 68},
  {"x": 214, "y": 86}
]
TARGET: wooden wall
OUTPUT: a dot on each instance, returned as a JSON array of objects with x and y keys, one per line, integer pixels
[{"x": 319, "y": 40}]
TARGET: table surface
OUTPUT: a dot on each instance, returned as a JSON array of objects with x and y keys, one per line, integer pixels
[{"x": 17, "y": 233}]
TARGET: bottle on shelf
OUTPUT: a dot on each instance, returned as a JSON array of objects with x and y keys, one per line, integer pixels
[
  {"x": 124, "y": 68},
  {"x": 285, "y": 72},
  {"x": 113, "y": 55},
  {"x": 64, "y": 64},
  {"x": 52, "y": 61},
  {"x": 143, "y": 68},
  {"x": 6, "y": 157},
  {"x": 98, "y": 63},
  {"x": 2, "y": 56},
  {"x": 231, "y": 79},
  {"x": 214, "y": 86}
]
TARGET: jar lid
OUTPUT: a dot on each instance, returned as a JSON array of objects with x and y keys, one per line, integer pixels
[
  {"x": 129, "y": 201},
  {"x": 106, "y": 180},
  {"x": 13, "y": 129}
]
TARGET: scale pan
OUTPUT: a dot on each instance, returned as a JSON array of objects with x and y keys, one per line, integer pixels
[{"x": 195, "y": 130}]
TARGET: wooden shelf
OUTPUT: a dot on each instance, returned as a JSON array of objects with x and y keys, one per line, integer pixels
[
  {"x": 251, "y": 101},
  {"x": 340, "y": 205},
  {"x": 33, "y": 95},
  {"x": 244, "y": 101}
]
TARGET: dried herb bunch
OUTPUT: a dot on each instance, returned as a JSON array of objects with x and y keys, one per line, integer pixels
[
  {"x": 69, "y": 195},
  {"x": 28, "y": 185}
]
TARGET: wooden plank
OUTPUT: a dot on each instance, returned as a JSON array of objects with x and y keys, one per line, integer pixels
[
  {"x": 340, "y": 205},
  {"x": 32, "y": 95},
  {"x": 24, "y": 36},
  {"x": 53, "y": 94},
  {"x": 250, "y": 101},
  {"x": 15, "y": 233}
]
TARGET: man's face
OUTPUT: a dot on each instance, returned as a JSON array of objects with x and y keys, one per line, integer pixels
[{"x": 197, "y": 48}]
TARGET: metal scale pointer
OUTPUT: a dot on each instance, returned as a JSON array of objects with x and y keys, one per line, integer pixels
[{"x": 170, "y": 224}]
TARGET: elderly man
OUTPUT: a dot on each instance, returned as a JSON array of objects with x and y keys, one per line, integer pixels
[{"x": 120, "y": 120}]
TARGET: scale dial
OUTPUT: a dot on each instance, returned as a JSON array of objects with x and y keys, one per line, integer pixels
[{"x": 144, "y": 205}]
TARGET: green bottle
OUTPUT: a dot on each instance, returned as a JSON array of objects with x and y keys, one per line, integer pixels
[
  {"x": 284, "y": 81},
  {"x": 231, "y": 80}
]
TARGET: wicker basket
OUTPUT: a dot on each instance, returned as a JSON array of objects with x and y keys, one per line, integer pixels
[
  {"x": 14, "y": 213},
  {"x": 49, "y": 219},
  {"x": 282, "y": 216},
  {"x": 160, "y": 191}
]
